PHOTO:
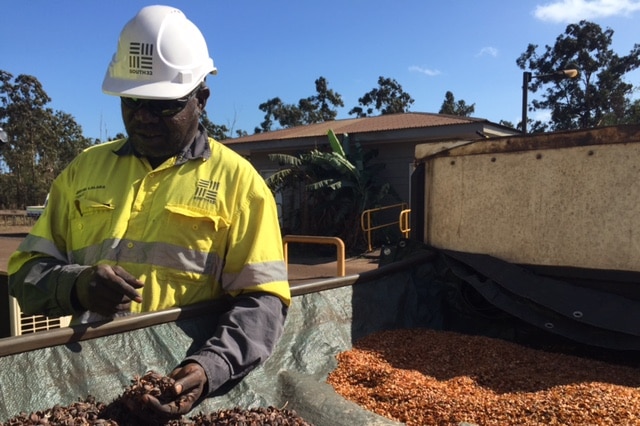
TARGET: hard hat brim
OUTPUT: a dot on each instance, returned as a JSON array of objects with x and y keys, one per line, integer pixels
[{"x": 161, "y": 90}]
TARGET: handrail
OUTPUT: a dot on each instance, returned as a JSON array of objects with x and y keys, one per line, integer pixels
[
  {"x": 309, "y": 239},
  {"x": 405, "y": 222},
  {"x": 16, "y": 219},
  {"x": 366, "y": 225}
]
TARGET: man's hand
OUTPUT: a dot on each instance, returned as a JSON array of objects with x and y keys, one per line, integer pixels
[
  {"x": 107, "y": 289},
  {"x": 189, "y": 387}
]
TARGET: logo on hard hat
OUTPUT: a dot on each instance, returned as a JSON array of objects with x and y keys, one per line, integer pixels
[{"x": 141, "y": 58}]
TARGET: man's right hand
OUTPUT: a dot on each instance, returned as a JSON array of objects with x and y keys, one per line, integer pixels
[{"x": 107, "y": 290}]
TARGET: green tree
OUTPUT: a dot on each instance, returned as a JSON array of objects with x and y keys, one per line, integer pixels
[
  {"x": 41, "y": 141},
  {"x": 633, "y": 113},
  {"x": 506, "y": 123},
  {"x": 318, "y": 108},
  {"x": 451, "y": 107},
  {"x": 218, "y": 132},
  {"x": 322, "y": 106},
  {"x": 387, "y": 98},
  {"x": 272, "y": 109},
  {"x": 329, "y": 190},
  {"x": 598, "y": 95}
]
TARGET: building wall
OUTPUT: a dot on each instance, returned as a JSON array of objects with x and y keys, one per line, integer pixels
[
  {"x": 262, "y": 162},
  {"x": 397, "y": 159}
]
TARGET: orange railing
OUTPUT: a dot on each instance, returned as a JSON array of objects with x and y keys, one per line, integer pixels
[
  {"x": 405, "y": 222},
  {"x": 367, "y": 224},
  {"x": 308, "y": 239}
]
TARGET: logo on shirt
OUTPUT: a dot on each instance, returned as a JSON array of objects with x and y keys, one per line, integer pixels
[
  {"x": 140, "y": 58},
  {"x": 207, "y": 190}
]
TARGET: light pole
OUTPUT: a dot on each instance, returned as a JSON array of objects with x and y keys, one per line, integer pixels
[{"x": 526, "y": 78}]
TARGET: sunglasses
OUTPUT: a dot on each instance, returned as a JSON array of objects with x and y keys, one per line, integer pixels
[{"x": 159, "y": 108}]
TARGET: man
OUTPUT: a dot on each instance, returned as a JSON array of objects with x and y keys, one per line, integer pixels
[{"x": 167, "y": 217}]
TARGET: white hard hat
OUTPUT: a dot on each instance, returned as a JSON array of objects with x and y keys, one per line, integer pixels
[{"x": 161, "y": 55}]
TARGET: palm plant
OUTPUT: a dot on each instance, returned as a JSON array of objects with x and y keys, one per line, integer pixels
[{"x": 325, "y": 192}]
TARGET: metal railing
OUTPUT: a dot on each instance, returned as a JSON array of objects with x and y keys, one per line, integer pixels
[
  {"x": 309, "y": 239},
  {"x": 16, "y": 219},
  {"x": 367, "y": 224},
  {"x": 405, "y": 222}
]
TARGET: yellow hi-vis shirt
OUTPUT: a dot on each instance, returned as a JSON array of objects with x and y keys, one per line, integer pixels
[{"x": 190, "y": 231}]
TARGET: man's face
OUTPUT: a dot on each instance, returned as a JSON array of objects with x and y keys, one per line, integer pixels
[{"x": 156, "y": 130}]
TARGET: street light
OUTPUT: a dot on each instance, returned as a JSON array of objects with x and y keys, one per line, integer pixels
[{"x": 526, "y": 78}]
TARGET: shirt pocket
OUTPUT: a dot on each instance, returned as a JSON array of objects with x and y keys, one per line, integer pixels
[
  {"x": 91, "y": 223},
  {"x": 195, "y": 242}
]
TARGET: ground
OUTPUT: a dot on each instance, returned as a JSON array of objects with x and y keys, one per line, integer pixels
[{"x": 10, "y": 237}]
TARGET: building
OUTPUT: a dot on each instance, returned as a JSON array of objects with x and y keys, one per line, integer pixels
[{"x": 394, "y": 136}]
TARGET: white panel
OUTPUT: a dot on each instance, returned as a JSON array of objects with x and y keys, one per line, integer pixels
[
  {"x": 576, "y": 206},
  {"x": 25, "y": 324}
]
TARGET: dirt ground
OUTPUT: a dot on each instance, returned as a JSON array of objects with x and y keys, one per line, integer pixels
[
  {"x": 10, "y": 237},
  {"x": 301, "y": 268}
]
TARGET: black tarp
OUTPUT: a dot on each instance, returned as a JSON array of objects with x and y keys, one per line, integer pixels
[{"x": 606, "y": 315}]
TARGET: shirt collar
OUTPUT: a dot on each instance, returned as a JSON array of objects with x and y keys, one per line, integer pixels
[{"x": 199, "y": 148}]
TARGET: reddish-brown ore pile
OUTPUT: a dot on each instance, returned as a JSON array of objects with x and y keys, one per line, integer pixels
[
  {"x": 93, "y": 413},
  {"x": 427, "y": 377}
]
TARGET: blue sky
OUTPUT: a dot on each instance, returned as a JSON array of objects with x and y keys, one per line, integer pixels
[{"x": 266, "y": 49}]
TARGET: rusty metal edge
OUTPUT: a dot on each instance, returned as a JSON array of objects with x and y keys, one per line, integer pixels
[
  {"x": 73, "y": 334},
  {"x": 611, "y": 135}
]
